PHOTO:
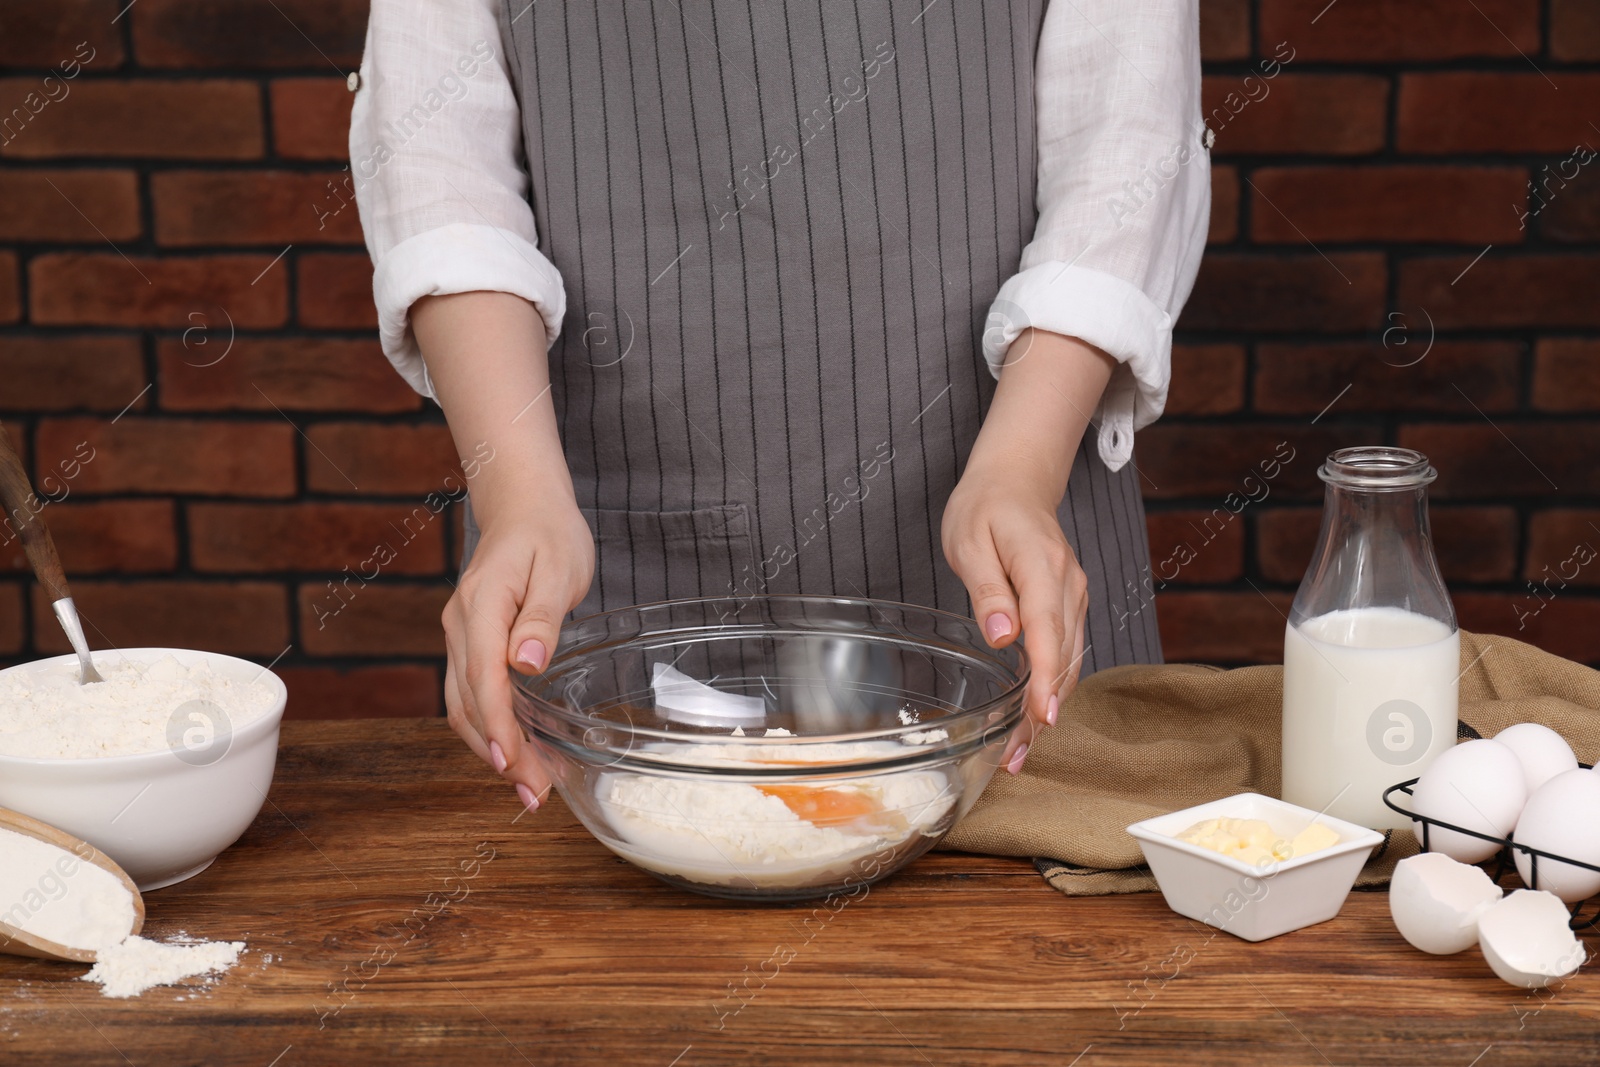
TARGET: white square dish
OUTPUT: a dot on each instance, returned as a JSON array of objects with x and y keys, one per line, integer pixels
[{"x": 1249, "y": 902}]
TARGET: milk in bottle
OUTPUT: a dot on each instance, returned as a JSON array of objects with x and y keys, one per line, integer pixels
[{"x": 1371, "y": 651}]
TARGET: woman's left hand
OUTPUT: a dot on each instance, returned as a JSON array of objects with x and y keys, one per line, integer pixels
[
  {"x": 1002, "y": 538},
  {"x": 1001, "y": 534}
]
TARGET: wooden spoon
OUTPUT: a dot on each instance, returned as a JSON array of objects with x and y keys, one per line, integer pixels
[
  {"x": 18, "y": 942},
  {"x": 23, "y": 507}
]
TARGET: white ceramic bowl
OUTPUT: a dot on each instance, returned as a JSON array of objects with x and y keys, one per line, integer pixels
[
  {"x": 1251, "y": 903},
  {"x": 163, "y": 818}
]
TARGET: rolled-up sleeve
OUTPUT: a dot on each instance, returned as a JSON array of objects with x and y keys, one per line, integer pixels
[
  {"x": 436, "y": 161},
  {"x": 1124, "y": 196}
]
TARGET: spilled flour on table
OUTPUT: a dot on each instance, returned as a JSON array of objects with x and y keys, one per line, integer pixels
[
  {"x": 49, "y": 892},
  {"x": 132, "y": 966}
]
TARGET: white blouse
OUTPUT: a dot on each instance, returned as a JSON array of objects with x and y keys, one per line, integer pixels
[{"x": 1124, "y": 185}]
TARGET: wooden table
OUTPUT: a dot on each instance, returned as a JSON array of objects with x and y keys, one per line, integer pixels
[{"x": 398, "y": 911}]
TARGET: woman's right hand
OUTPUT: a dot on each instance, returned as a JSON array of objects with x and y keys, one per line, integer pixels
[
  {"x": 485, "y": 353},
  {"x": 532, "y": 566}
]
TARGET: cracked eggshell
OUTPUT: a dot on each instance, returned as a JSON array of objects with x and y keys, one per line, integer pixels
[
  {"x": 1436, "y": 902},
  {"x": 1563, "y": 818},
  {"x": 1527, "y": 941},
  {"x": 1542, "y": 752},
  {"x": 1477, "y": 785}
]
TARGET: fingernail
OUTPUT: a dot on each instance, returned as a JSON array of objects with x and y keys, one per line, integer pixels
[
  {"x": 1052, "y": 709},
  {"x": 531, "y": 652},
  {"x": 996, "y": 626},
  {"x": 525, "y": 795},
  {"x": 1015, "y": 766},
  {"x": 497, "y": 757}
]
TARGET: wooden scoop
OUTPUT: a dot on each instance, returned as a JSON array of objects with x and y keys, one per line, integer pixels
[
  {"x": 20, "y": 943},
  {"x": 23, "y": 507}
]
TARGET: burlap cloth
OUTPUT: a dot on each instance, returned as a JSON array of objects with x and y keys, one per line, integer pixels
[{"x": 1139, "y": 741}]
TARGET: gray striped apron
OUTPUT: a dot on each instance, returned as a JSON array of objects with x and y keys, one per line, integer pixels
[{"x": 780, "y": 225}]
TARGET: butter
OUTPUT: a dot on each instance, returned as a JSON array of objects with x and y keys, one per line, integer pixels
[{"x": 1253, "y": 842}]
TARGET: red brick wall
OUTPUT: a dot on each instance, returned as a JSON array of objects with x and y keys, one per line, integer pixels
[
  {"x": 183, "y": 297},
  {"x": 1354, "y": 193}
]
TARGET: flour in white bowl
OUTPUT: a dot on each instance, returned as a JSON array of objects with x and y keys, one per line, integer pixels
[
  {"x": 789, "y": 833},
  {"x": 46, "y": 714}
]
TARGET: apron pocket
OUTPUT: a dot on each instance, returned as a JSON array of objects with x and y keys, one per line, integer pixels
[{"x": 645, "y": 556}]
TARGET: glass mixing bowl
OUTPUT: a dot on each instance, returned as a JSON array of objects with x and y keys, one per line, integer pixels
[{"x": 772, "y": 748}]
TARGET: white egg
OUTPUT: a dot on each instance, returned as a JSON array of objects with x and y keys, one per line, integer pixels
[
  {"x": 1542, "y": 752},
  {"x": 1436, "y": 902},
  {"x": 1527, "y": 940},
  {"x": 1477, "y": 785},
  {"x": 1563, "y": 817}
]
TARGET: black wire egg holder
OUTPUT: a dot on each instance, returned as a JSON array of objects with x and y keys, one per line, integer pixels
[{"x": 1504, "y": 863}]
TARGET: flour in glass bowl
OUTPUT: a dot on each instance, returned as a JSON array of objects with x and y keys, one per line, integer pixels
[
  {"x": 785, "y": 833},
  {"x": 46, "y": 714}
]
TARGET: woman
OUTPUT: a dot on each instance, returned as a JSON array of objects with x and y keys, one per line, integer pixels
[{"x": 717, "y": 282}]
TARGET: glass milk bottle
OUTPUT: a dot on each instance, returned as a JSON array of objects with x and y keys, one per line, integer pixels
[{"x": 1371, "y": 652}]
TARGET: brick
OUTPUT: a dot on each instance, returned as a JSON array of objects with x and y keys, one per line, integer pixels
[
  {"x": 1224, "y": 205},
  {"x": 1223, "y": 628},
  {"x": 1224, "y": 29},
  {"x": 363, "y": 539},
  {"x": 145, "y": 455},
  {"x": 65, "y": 372},
  {"x": 1563, "y": 547},
  {"x": 311, "y": 118},
  {"x": 400, "y": 691},
  {"x": 11, "y": 627},
  {"x": 362, "y": 457},
  {"x": 1193, "y": 546},
  {"x": 57, "y": 34},
  {"x": 1574, "y": 30},
  {"x": 1287, "y": 292},
  {"x": 1566, "y": 375},
  {"x": 104, "y": 289},
  {"x": 1539, "y": 291},
  {"x": 1372, "y": 31},
  {"x": 238, "y": 618},
  {"x": 289, "y": 374},
  {"x": 249, "y": 34},
  {"x": 68, "y": 205},
  {"x": 1501, "y": 113},
  {"x": 1567, "y": 625},
  {"x": 10, "y": 292},
  {"x": 1508, "y": 459},
  {"x": 1293, "y": 114},
  {"x": 1305, "y": 379},
  {"x": 379, "y": 618},
  {"x": 1206, "y": 380},
  {"x": 1454, "y": 205},
  {"x": 104, "y": 537},
  {"x": 1567, "y": 209},
  {"x": 1284, "y": 539},
  {"x": 17, "y": 434},
  {"x": 1473, "y": 544},
  {"x": 335, "y": 291},
  {"x": 236, "y": 207},
  {"x": 1208, "y": 461},
  {"x": 208, "y": 118}
]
